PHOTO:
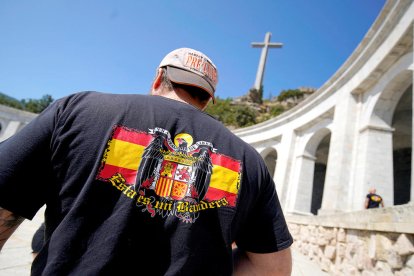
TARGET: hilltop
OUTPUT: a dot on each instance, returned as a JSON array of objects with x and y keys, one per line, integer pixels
[
  {"x": 30, "y": 105},
  {"x": 252, "y": 109}
]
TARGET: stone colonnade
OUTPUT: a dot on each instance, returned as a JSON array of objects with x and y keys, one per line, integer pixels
[{"x": 353, "y": 133}]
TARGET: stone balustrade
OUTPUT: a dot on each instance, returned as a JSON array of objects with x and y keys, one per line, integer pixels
[{"x": 369, "y": 242}]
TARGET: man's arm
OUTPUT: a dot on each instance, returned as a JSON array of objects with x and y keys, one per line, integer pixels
[
  {"x": 8, "y": 223},
  {"x": 272, "y": 264}
]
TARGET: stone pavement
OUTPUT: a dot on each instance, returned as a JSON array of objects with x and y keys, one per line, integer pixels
[{"x": 16, "y": 257}]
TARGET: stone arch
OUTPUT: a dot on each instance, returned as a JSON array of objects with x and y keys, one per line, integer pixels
[
  {"x": 315, "y": 141},
  {"x": 319, "y": 146},
  {"x": 390, "y": 97},
  {"x": 384, "y": 101},
  {"x": 402, "y": 148},
  {"x": 269, "y": 155},
  {"x": 313, "y": 164},
  {"x": 391, "y": 122}
]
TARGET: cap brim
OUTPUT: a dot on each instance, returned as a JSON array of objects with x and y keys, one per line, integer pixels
[{"x": 184, "y": 77}]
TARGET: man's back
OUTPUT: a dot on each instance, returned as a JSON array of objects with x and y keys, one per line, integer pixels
[{"x": 141, "y": 183}]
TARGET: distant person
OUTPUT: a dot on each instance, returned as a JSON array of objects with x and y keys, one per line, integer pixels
[
  {"x": 373, "y": 200},
  {"x": 144, "y": 184}
]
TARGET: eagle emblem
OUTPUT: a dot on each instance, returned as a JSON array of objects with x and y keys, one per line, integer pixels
[{"x": 175, "y": 170}]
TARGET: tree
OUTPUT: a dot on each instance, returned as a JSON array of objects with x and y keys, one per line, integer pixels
[
  {"x": 37, "y": 106},
  {"x": 220, "y": 110},
  {"x": 244, "y": 116},
  {"x": 9, "y": 101},
  {"x": 31, "y": 105},
  {"x": 256, "y": 96}
]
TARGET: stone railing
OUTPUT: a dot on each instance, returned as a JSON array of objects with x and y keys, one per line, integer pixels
[{"x": 368, "y": 242}]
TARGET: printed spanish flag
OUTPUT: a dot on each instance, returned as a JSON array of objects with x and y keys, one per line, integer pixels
[
  {"x": 124, "y": 154},
  {"x": 225, "y": 179}
]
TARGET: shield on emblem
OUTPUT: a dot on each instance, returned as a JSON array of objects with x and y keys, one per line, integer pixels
[
  {"x": 173, "y": 180},
  {"x": 166, "y": 179},
  {"x": 181, "y": 178}
]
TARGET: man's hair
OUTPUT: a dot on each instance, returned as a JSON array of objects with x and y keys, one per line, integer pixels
[
  {"x": 195, "y": 92},
  {"x": 165, "y": 81}
]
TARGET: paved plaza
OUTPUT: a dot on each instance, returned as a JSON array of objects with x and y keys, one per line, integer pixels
[{"x": 16, "y": 257}]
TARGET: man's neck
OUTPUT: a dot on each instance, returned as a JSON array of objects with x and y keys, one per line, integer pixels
[{"x": 181, "y": 96}]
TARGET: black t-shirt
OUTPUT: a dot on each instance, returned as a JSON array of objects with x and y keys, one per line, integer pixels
[
  {"x": 139, "y": 184},
  {"x": 374, "y": 200}
]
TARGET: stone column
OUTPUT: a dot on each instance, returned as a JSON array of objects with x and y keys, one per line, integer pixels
[
  {"x": 271, "y": 161},
  {"x": 375, "y": 164},
  {"x": 338, "y": 188},
  {"x": 305, "y": 166},
  {"x": 284, "y": 164},
  {"x": 412, "y": 133}
]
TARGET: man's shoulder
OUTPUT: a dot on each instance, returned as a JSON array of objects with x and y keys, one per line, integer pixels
[
  {"x": 104, "y": 95},
  {"x": 91, "y": 98}
]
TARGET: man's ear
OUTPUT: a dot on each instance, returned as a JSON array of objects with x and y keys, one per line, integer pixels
[
  {"x": 206, "y": 104},
  {"x": 158, "y": 80}
]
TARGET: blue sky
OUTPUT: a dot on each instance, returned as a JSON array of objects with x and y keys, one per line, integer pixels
[{"x": 59, "y": 47}]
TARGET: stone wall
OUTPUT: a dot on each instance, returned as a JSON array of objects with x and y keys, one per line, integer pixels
[
  {"x": 13, "y": 120},
  {"x": 370, "y": 242}
]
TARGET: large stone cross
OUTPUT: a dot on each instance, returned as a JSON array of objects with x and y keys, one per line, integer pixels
[{"x": 265, "y": 46}]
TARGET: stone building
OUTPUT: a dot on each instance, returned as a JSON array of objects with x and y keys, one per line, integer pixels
[
  {"x": 12, "y": 120},
  {"x": 352, "y": 133}
]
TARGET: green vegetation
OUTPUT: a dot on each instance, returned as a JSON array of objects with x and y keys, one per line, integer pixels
[
  {"x": 291, "y": 93},
  {"x": 232, "y": 115},
  {"x": 276, "y": 110},
  {"x": 253, "y": 109},
  {"x": 37, "y": 106},
  {"x": 30, "y": 105},
  {"x": 9, "y": 101}
]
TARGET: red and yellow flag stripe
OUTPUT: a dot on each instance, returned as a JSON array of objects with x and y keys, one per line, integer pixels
[
  {"x": 124, "y": 153},
  {"x": 225, "y": 179}
]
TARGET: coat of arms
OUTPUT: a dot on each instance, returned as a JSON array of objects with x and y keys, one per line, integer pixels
[{"x": 175, "y": 170}]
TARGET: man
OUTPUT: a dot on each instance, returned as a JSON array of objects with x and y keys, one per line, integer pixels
[
  {"x": 144, "y": 184},
  {"x": 373, "y": 200}
]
